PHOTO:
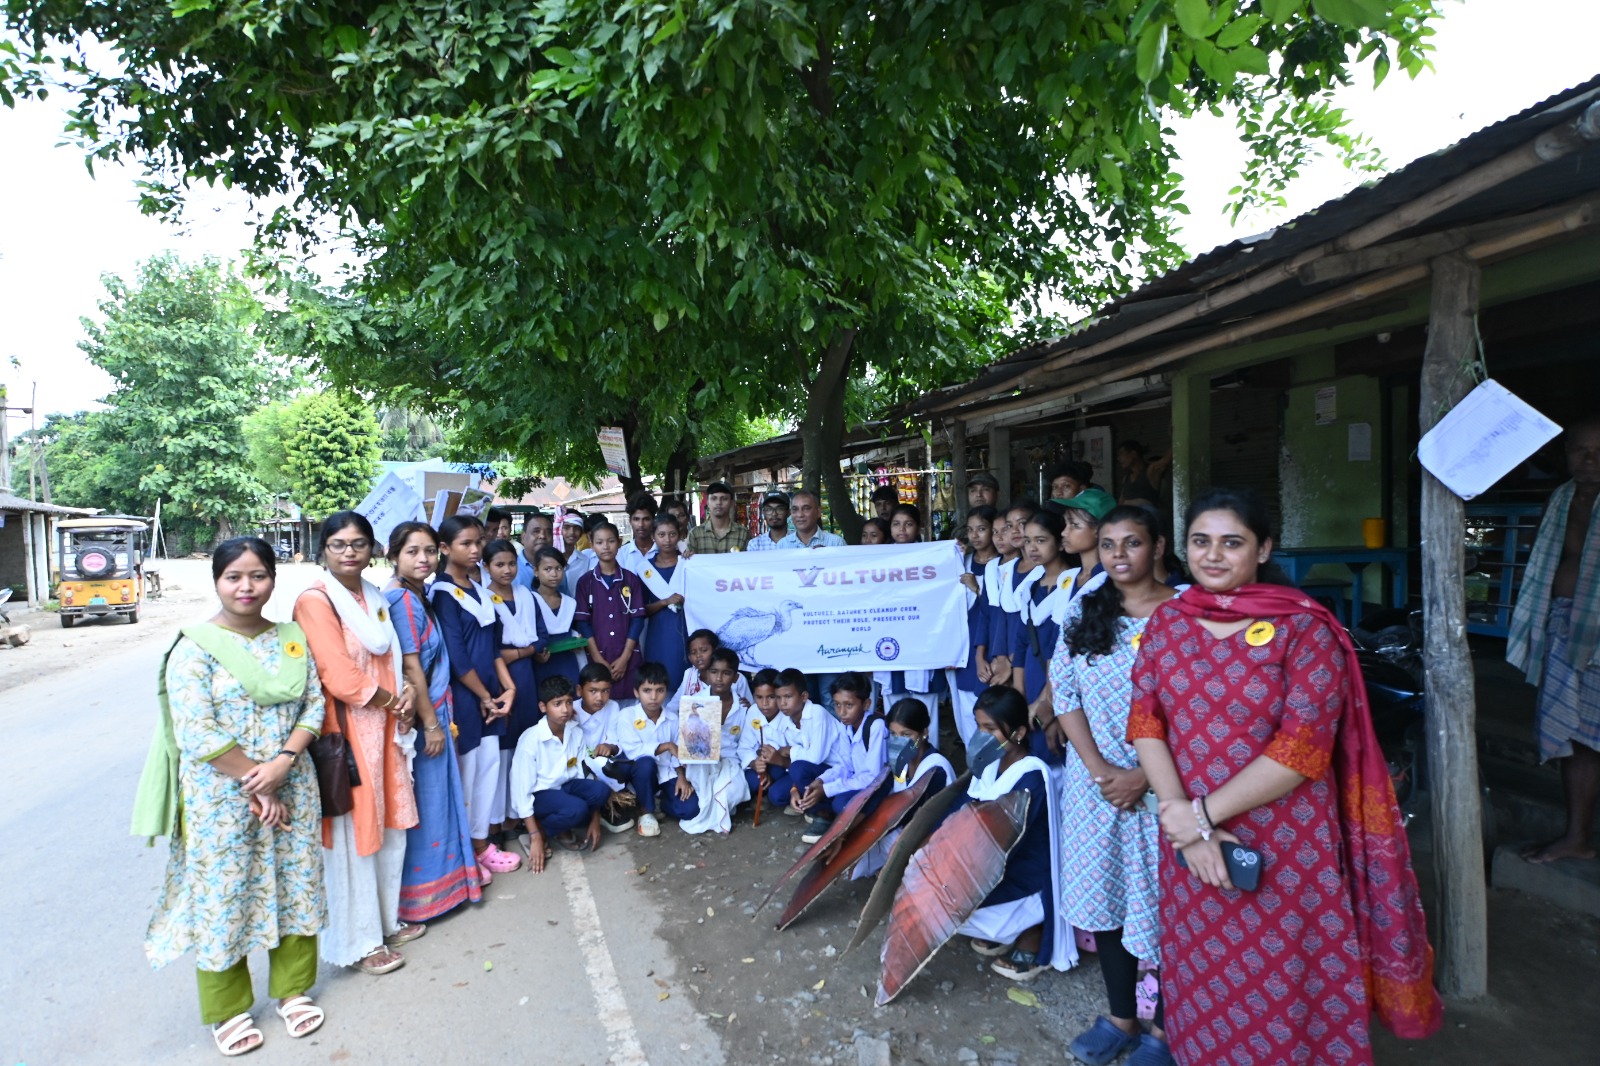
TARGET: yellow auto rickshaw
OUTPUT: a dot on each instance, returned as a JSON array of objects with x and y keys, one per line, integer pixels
[{"x": 101, "y": 565}]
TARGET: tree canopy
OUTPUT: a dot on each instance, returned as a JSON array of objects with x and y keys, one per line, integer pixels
[
  {"x": 179, "y": 344},
  {"x": 669, "y": 211}
]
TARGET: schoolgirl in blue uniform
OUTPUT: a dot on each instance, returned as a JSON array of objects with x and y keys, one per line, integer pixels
[
  {"x": 665, "y": 632},
  {"x": 520, "y": 647},
  {"x": 556, "y": 613},
  {"x": 611, "y": 612},
  {"x": 967, "y": 681}
]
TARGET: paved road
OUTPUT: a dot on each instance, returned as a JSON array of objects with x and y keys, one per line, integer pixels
[{"x": 578, "y": 971}]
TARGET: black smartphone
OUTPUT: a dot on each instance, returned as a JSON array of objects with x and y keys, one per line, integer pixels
[{"x": 1244, "y": 865}]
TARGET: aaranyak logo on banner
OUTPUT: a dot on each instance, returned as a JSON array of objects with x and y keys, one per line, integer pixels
[{"x": 873, "y": 607}]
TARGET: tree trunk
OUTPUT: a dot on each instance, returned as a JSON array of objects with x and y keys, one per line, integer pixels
[
  {"x": 1463, "y": 966},
  {"x": 679, "y": 474},
  {"x": 822, "y": 434},
  {"x": 633, "y": 484}
]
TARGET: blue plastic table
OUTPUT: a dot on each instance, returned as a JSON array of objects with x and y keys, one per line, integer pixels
[{"x": 1297, "y": 563}]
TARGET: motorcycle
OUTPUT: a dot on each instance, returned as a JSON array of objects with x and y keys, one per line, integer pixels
[
  {"x": 1389, "y": 652},
  {"x": 5, "y": 616}
]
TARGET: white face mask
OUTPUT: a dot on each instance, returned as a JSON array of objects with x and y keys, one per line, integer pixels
[{"x": 902, "y": 750}]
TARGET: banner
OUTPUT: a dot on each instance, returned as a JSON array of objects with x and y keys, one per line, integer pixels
[{"x": 827, "y": 610}]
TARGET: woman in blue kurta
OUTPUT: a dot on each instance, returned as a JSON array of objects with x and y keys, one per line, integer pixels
[
  {"x": 481, "y": 689},
  {"x": 611, "y": 612},
  {"x": 666, "y": 637},
  {"x": 441, "y": 870},
  {"x": 556, "y": 612},
  {"x": 1021, "y": 919}
]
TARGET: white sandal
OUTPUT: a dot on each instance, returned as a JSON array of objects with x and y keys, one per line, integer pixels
[
  {"x": 296, "y": 1011},
  {"x": 235, "y": 1031}
]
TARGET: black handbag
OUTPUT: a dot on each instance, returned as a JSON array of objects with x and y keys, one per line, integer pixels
[{"x": 335, "y": 761}]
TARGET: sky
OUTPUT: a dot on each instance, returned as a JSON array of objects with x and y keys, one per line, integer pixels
[{"x": 61, "y": 229}]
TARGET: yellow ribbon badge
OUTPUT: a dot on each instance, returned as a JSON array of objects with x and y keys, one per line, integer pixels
[
  {"x": 572, "y": 762},
  {"x": 294, "y": 649},
  {"x": 495, "y": 598},
  {"x": 383, "y": 614},
  {"x": 458, "y": 593},
  {"x": 1136, "y": 640},
  {"x": 640, "y": 723},
  {"x": 757, "y": 724},
  {"x": 1260, "y": 634},
  {"x": 734, "y": 731}
]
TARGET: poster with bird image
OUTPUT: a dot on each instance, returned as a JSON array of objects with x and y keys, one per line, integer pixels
[
  {"x": 700, "y": 729},
  {"x": 863, "y": 607}
]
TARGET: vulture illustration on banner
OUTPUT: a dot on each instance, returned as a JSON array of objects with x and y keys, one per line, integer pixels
[{"x": 749, "y": 626}]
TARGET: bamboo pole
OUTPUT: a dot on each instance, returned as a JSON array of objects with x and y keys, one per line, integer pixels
[{"x": 1462, "y": 910}]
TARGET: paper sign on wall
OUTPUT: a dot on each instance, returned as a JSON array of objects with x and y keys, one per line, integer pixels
[{"x": 1483, "y": 438}]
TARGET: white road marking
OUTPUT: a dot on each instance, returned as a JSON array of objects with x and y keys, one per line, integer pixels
[{"x": 610, "y": 1006}]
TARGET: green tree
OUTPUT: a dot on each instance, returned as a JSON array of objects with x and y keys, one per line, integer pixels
[
  {"x": 408, "y": 436},
  {"x": 179, "y": 343},
  {"x": 332, "y": 452},
  {"x": 266, "y": 435},
  {"x": 88, "y": 463},
  {"x": 657, "y": 210}
]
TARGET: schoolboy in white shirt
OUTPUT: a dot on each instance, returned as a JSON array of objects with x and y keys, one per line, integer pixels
[{"x": 547, "y": 788}]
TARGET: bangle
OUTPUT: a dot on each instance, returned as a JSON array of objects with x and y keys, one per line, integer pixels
[
  {"x": 433, "y": 728},
  {"x": 1204, "y": 807},
  {"x": 1202, "y": 822}
]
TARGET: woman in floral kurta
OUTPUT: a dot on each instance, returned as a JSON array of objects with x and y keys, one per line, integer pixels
[
  {"x": 1110, "y": 841},
  {"x": 234, "y": 883}
]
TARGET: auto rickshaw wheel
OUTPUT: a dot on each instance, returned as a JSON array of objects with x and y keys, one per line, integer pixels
[
  {"x": 67, "y": 620},
  {"x": 133, "y": 616}
]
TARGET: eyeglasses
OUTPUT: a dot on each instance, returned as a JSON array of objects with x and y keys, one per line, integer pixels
[{"x": 339, "y": 547}]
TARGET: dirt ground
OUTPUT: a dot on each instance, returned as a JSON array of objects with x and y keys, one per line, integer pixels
[{"x": 790, "y": 997}]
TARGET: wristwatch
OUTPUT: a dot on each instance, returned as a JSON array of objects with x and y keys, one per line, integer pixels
[{"x": 293, "y": 755}]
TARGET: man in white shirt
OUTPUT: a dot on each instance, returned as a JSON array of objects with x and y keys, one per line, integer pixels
[
  {"x": 805, "y": 508},
  {"x": 636, "y": 553},
  {"x": 579, "y": 560}
]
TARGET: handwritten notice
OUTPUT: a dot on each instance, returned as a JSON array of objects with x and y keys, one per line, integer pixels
[
  {"x": 1483, "y": 439},
  {"x": 390, "y": 502}
]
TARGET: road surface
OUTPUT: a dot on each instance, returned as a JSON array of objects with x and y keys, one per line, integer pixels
[{"x": 566, "y": 987}]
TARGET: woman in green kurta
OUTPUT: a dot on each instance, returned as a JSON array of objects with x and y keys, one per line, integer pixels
[{"x": 228, "y": 781}]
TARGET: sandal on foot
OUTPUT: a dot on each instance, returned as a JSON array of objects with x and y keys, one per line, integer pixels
[
  {"x": 300, "y": 1016},
  {"x": 230, "y": 1034},
  {"x": 572, "y": 842},
  {"x": 391, "y": 961},
  {"x": 988, "y": 948},
  {"x": 1019, "y": 966},
  {"x": 407, "y": 932},
  {"x": 1101, "y": 1043},
  {"x": 1151, "y": 1052}
]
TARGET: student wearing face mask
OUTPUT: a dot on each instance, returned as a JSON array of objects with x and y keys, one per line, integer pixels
[
  {"x": 911, "y": 758},
  {"x": 1020, "y": 923}
]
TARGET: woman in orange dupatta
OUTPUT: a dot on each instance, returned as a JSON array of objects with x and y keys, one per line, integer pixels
[
  {"x": 364, "y": 852},
  {"x": 1252, "y": 725}
]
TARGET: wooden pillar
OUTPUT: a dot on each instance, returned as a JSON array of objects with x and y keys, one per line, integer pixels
[
  {"x": 1191, "y": 446},
  {"x": 1462, "y": 912},
  {"x": 1000, "y": 461},
  {"x": 30, "y": 552},
  {"x": 958, "y": 466}
]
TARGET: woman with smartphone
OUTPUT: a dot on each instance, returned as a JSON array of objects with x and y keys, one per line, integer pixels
[
  {"x": 1251, "y": 722},
  {"x": 1110, "y": 840}
]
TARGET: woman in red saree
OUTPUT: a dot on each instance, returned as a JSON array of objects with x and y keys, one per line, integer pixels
[{"x": 1252, "y": 725}]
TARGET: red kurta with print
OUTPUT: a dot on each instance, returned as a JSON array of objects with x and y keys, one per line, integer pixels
[{"x": 1274, "y": 975}]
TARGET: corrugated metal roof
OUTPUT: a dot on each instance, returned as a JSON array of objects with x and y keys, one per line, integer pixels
[
  {"x": 9, "y": 502},
  {"x": 1546, "y": 185}
]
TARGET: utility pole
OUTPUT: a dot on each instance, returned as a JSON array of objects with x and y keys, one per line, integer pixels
[{"x": 5, "y": 440}]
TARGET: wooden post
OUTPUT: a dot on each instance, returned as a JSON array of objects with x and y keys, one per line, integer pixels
[
  {"x": 1463, "y": 925},
  {"x": 958, "y": 468},
  {"x": 1000, "y": 462}
]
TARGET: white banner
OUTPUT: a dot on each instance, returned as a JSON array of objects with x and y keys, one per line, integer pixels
[{"x": 871, "y": 607}]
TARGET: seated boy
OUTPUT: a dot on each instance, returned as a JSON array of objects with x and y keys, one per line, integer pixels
[
  {"x": 596, "y": 714},
  {"x": 643, "y": 747},
  {"x": 547, "y": 789},
  {"x": 760, "y": 727},
  {"x": 857, "y": 758},
  {"x": 702, "y": 642},
  {"x": 799, "y": 750}
]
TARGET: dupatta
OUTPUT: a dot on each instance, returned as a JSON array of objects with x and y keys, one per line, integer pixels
[{"x": 1390, "y": 924}]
